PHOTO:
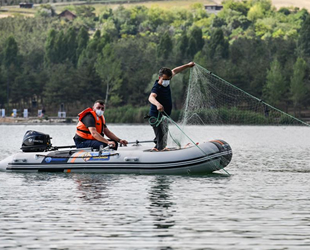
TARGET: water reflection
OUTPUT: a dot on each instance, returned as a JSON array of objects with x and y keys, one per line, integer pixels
[
  {"x": 36, "y": 178},
  {"x": 161, "y": 204},
  {"x": 93, "y": 188}
]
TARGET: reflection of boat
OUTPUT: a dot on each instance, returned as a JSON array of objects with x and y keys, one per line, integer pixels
[
  {"x": 161, "y": 202},
  {"x": 40, "y": 156}
]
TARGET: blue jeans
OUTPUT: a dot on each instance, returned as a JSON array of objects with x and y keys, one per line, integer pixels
[{"x": 91, "y": 144}]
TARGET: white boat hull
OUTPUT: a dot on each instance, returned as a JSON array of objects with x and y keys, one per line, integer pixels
[{"x": 208, "y": 157}]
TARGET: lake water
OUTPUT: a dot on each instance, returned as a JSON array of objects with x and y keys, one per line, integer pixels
[{"x": 264, "y": 204}]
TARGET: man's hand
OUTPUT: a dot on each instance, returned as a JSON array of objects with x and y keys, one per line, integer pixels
[
  {"x": 191, "y": 64},
  {"x": 160, "y": 107},
  {"x": 123, "y": 142},
  {"x": 111, "y": 144}
]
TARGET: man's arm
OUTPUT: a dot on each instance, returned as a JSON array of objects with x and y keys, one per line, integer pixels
[
  {"x": 112, "y": 136},
  {"x": 181, "y": 68},
  {"x": 153, "y": 100},
  {"x": 99, "y": 137}
]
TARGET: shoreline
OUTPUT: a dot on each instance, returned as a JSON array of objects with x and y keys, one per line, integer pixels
[
  {"x": 50, "y": 121},
  {"x": 74, "y": 120},
  {"x": 37, "y": 120}
]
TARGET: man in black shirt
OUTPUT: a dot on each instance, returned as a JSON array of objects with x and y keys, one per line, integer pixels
[{"x": 160, "y": 99}]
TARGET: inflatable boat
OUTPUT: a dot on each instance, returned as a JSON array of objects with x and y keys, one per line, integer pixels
[{"x": 38, "y": 155}]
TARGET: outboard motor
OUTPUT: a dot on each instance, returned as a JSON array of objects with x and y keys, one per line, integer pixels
[{"x": 36, "y": 142}]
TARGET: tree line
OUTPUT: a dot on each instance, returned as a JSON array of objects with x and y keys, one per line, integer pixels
[{"x": 116, "y": 54}]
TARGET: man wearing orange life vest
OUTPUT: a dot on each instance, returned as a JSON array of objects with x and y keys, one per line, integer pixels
[{"x": 91, "y": 129}]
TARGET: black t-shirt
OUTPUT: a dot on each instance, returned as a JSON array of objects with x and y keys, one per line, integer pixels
[
  {"x": 89, "y": 121},
  {"x": 163, "y": 97}
]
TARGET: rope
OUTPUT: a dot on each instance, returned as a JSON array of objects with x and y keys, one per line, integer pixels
[{"x": 158, "y": 121}]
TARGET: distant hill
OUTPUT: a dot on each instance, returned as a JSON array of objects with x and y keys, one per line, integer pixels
[
  {"x": 284, "y": 3},
  {"x": 288, "y": 3}
]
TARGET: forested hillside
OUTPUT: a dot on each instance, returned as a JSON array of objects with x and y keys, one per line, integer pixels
[{"x": 117, "y": 53}]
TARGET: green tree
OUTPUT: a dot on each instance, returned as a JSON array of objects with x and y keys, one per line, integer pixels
[
  {"x": 45, "y": 10},
  {"x": 70, "y": 45},
  {"x": 10, "y": 52},
  {"x": 3, "y": 93},
  {"x": 82, "y": 40},
  {"x": 198, "y": 11},
  {"x": 108, "y": 67},
  {"x": 217, "y": 45},
  {"x": 61, "y": 85},
  {"x": 60, "y": 48},
  {"x": 155, "y": 17},
  {"x": 50, "y": 48},
  {"x": 303, "y": 46},
  {"x": 276, "y": 87},
  {"x": 30, "y": 81},
  {"x": 195, "y": 42},
  {"x": 105, "y": 14},
  {"x": 255, "y": 12},
  {"x": 241, "y": 7},
  {"x": 165, "y": 46},
  {"x": 139, "y": 64},
  {"x": 259, "y": 9},
  {"x": 10, "y": 62},
  {"x": 284, "y": 10},
  {"x": 298, "y": 88},
  {"x": 182, "y": 48},
  {"x": 85, "y": 11},
  {"x": 88, "y": 79}
]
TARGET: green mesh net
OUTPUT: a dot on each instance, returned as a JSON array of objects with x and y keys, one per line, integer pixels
[{"x": 210, "y": 100}]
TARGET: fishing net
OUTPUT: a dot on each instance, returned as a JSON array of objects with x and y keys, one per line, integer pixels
[{"x": 210, "y": 100}]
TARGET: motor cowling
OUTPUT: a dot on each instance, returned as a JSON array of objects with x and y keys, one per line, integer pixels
[
  {"x": 223, "y": 146},
  {"x": 35, "y": 141}
]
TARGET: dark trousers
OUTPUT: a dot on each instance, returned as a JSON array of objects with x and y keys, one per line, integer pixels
[
  {"x": 161, "y": 134},
  {"x": 92, "y": 144}
]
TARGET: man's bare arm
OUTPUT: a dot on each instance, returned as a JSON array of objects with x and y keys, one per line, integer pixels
[
  {"x": 99, "y": 137},
  {"x": 153, "y": 100},
  {"x": 112, "y": 136},
  {"x": 181, "y": 68}
]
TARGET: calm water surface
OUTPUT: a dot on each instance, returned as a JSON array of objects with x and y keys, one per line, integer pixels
[{"x": 264, "y": 204}]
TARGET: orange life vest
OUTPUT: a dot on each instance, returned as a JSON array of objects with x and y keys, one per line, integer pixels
[{"x": 83, "y": 131}]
